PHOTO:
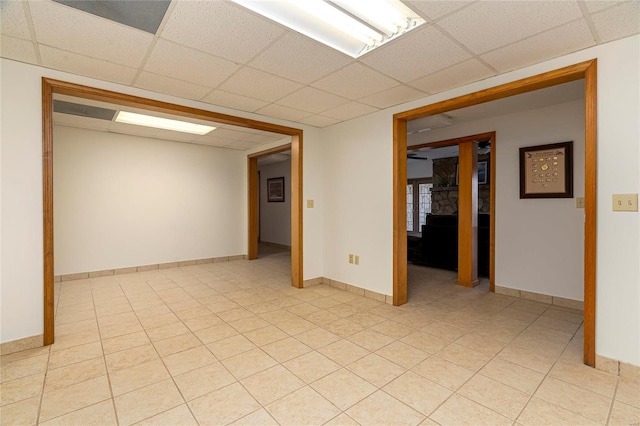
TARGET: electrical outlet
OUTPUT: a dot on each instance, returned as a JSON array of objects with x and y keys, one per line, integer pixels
[
  {"x": 357, "y": 259},
  {"x": 309, "y": 204},
  {"x": 580, "y": 203},
  {"x": 625, "y": 202},
  {"x": 350, "y": 258}
]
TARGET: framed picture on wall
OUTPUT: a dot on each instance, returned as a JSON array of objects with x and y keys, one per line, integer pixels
[
  {"x": 546, "y": 171},
  {"x": 275, "y": 190},
  {"x": 482, "y": 173}
]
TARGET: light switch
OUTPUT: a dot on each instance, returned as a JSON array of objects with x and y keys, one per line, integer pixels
[
  {"x": 579, "y": 202},
  {"x": 309, "y": 204},
  {"x": 625, "y": 202}
]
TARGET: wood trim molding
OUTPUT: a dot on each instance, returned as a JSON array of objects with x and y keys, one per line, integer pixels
[
  {"x": 47, "y": 211},
  {"x": 297, "y": 277},
  {"x": 399, "y": 211},
  {"x": 253, "y": 207},
  {"x": 492, "y": 213},
  {"x": 590, "y": 213},
  {"x": 52, "y": 86},
  {"x": 296, "y": 205},
  {"x": 586, "y": 70},
  {"x": 468, "y": 214}
]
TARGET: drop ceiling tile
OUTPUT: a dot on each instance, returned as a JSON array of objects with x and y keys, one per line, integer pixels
[
  {"x": 13, "y": 20},
  {"x": 212, "y": 139},
  {"x": 455, "y": 76},
  {"x": 257, "y": 84},
  {"x": 80, "y": 32},
  {"x": 220, "y": 28},
  {"x": 618, "y": 22},
  {"x": 240, "y": 146},
  {"x": 17, "y": 49},
  {"x": 355, "y": 81},
  {"x": 349, "y": 111},
  {"x": 559, "y": 41},
  {"x": 232, "y": 100},
  {"x": 319, "y": 121},
  {"x": 435, "y": 9},
  {"x": 394, "y": 96},
  {"x": 183, "y": 63},
  {"x": 80, "y": 122},
  {"x": 418, "y": 53},
  {"x": 171, "y": 86},
  {"x": 300, "y": 59},
  {"x": 312, "y": 100},
  {"x": 596, "y": 6},
  {"x": 232, "y": 134},
  {"x": 286, "y": 113},
  {"x": 83, "y": 65},
  {"x": 265, "y": 138},
  {"x": 487, "y": 25}
]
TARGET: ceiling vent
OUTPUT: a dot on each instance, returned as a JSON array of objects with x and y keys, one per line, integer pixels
[
  {"x": 83, "y": 110},
  {"x": 143, "y": 15}
]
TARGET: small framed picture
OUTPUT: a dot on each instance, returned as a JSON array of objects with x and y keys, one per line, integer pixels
[
  {"x": 275, "y": 190},
  {"x": 482, "y": 173},
  {"x": 546, "y": 171}
]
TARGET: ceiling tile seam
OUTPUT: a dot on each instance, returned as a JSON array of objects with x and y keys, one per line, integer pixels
[
  {"x": 295, "y": 109},
  {"x": 453, "y": 12},
  {"x": 347, "y": 100},
  {"x": 153, "y": 43},
  {"x": 240, "y": 65},
  {"x": 176, "y": 79},
  {"x": 231, "y": 93},
  {"x": 592, "y": 26},
  {"x": 273, "y": 42},
  {"x": 537, "y": 34},
  {"x": 360, "y": 100},
  {"x": 464, "y": 47},
  {"x": 32, "y": 31},
  {"x": 85, "y": 56}
]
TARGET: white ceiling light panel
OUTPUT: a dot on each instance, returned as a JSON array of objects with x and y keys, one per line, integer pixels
[
  {"x": 162, "y": 123},
  {"x": 353, "y": 27}
]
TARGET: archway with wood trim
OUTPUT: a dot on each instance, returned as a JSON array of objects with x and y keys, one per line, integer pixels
[
  {"x": 51, "y": 87},
  {"x": 467, "y": 215},
  {"x": 296, "y": 205},
  {"x": 584, "y": 70}
]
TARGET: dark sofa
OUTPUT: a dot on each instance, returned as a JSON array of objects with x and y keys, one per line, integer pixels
[{"x": 440, "y": 242}]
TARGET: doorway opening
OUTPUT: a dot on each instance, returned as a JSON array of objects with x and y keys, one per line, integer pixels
[
  {"x": 585, "y": 70},
  {"x": 52, "y": 87},
  {"x": 453, "y": 199}
]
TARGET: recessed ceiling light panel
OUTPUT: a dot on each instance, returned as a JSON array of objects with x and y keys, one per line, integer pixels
[
  {"x": 353, "y": 27},
  {"x": 162, "y": 123}
]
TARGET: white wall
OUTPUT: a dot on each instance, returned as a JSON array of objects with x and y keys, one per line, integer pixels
[
  {"x": 123, "y": 200},
  {"x": 355, "y": 213},
  {"x": 358, "y": 200},
  {"x": 534, "y": 234},
  {"x": 275, "y": 218},
  {"x": 419, "y": 168},
  {"x": 21, "y": 264}
]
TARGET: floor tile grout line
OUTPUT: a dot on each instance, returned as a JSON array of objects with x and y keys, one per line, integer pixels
[
  {"x": 44, "y": 382},
  {"x": 557, "y": 360},
  {"x": 613, "y": 401}
]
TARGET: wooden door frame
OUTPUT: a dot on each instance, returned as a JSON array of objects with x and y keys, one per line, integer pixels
[
  {"x": 492, "y": 189},
  {"x": 52, "y": 86},
  {"x": 585, "y": 70},
  {"x": 253, "y": 186}
]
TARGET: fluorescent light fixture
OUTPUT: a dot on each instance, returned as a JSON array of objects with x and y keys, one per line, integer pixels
[
  {"x": 353, "y": 27},
  {"x": 162, "y": 123}
]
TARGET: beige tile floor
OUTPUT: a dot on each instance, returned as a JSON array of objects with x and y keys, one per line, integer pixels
[{"x": 233, "y": 343}]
